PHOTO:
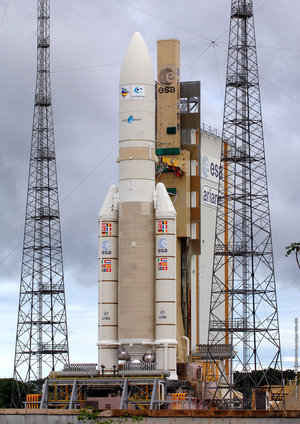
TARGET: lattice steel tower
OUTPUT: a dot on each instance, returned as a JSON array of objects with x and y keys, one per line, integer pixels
[
  {"x": 243, "y": 343},
  {"x": 42, "y": 338}
]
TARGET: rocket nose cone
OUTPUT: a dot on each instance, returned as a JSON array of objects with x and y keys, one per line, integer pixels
[
  {"x": 137, "y": 65},
  {"x": 136, "y": 38}
]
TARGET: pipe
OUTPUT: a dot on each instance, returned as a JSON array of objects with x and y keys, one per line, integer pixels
[
  {"x": 161, "y": 394},
  {"x": 81, "y": 374},
  {"x": 154, "y": 373},
  {"x": 187, "y": 347}
]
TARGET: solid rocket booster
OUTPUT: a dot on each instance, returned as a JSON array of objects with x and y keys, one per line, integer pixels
[{"x": 137, "y": 242}]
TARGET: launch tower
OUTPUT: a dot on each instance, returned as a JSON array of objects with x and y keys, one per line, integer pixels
[
  {"x": 250, "y": 359},
  {"x": 42, "y": 338}
]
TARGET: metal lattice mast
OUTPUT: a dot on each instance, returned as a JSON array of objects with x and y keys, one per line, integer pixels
[
  {"x": 42, "y": 338},
  {"x": 243, "y": 311},
  {"x": 296, "y": 358}
]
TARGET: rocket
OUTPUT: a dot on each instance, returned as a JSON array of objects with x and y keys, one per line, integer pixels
[{"x": 137, "y": 238}]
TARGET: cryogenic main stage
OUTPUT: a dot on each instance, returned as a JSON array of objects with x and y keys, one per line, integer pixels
[{"x": 137, "y": 242}]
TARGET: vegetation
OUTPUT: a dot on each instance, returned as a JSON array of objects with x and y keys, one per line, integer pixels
[
  {"x": 90, "y": 416},
  {"x": 7, "y": 387},
  {"x": 294, "y": 248},
  {"x": 272, "y": 377}
]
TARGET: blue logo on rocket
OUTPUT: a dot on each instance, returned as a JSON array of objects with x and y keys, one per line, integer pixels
[
  {"x": 106, "y": 245},
  {"x": 138, "y": 89},
  {"x": 162, "y": 245}
]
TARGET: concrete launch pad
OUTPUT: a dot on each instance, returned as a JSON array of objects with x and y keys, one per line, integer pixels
[{"x": 45, "y": 416}]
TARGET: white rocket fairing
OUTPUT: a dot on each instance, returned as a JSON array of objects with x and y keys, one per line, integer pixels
[{"x": 137, "y": 242}]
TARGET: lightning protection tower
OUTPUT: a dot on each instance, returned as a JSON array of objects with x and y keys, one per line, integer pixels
[
  {"x": 243, "y": 320},
  {"x": 42, "y": 338},
  {"x": 296, "y": 358}
]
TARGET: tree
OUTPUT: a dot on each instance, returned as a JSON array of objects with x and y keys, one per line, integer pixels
[
  {"x": 6, "y": 390},
  {"x": 8, "y": 386},
  {"x": 294, "y": 248}
]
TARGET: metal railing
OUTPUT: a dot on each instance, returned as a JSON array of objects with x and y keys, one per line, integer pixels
[
  {"x": 211, "y": 131},
  {"x": 242, "y": 9},
  {"x": 142, "y": 366},
  {"x": 80, "y": 367}
]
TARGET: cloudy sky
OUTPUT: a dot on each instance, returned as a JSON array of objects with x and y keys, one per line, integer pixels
[{"x": 88, "y": 40}]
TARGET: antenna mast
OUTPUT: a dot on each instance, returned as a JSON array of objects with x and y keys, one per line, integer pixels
[{"x": 42, "y": 338}]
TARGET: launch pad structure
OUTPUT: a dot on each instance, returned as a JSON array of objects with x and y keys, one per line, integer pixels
[
  {"x": 159, "y": 262},
  {"x": 144, "y": 392}
]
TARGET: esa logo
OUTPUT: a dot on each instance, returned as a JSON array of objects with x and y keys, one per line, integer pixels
[
  {"x": 162, "y": 245},
  {"x": 166, "y": 76},
  {"x": 211, "y": 169},
  {"x": 166, "y": 90},
  {"x": 106, "y": 247}
]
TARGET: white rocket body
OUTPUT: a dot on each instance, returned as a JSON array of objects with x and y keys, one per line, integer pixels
[{"x": 137, "y": 243}]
